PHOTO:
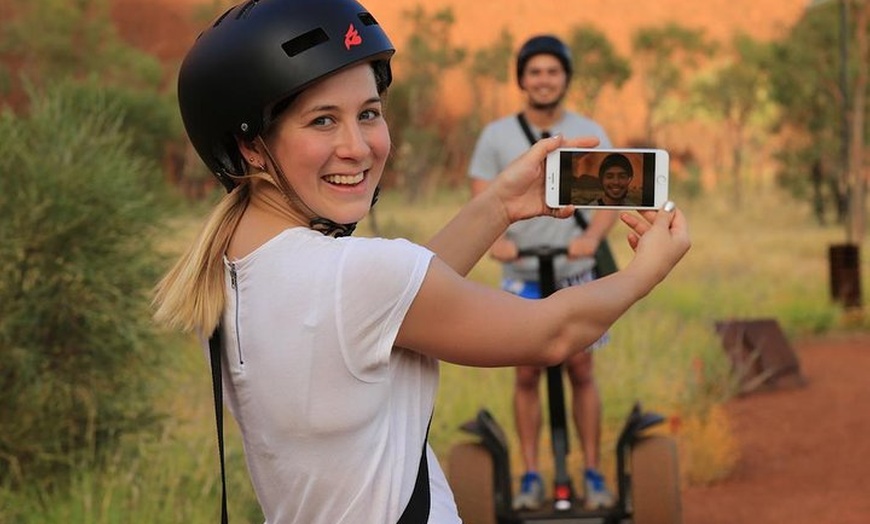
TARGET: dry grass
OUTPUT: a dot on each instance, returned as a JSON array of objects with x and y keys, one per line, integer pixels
[{"x": 708, "y": 447}]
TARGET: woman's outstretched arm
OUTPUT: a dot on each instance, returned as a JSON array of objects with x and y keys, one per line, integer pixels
[{"x": 460, "y": 321}]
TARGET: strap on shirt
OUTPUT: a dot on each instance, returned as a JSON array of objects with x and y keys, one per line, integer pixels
[
  {"x": 417, "y": 510},
  {"x": 527, "y": 130},
  {"x": 214, "y": 346}
]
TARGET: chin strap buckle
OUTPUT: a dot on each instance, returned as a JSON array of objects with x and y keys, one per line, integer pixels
[{"x": 332, "y": 229}]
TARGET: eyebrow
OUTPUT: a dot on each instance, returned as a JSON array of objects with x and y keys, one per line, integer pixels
[{"x": 332, "y": 107}]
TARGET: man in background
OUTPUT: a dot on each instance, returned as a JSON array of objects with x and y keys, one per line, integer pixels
[{"x": 544, "y": 69}]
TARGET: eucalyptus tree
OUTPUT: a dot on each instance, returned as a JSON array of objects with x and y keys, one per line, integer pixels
[
  {"x": 735, "y": 94},
  {"x": 596, "y": 66},
  {"x": 825, "y": 109},
  {"x": 489, "y": 72},
  {"x": 665, "y": 56},
  {"x": 416, "y": 112}
]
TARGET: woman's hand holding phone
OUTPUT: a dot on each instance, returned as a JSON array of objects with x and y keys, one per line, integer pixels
[
  {"x": 520, "y": 186},
  {"x": 659, "y": 240}
]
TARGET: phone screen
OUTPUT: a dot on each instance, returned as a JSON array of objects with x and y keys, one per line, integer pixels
[{"x": 607, "y": 178}]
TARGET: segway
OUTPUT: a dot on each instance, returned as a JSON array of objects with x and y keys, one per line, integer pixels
[{"x": 647, "y": 476}]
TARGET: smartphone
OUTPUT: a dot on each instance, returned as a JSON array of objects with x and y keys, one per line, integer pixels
[{"x": 607, "y": 178}]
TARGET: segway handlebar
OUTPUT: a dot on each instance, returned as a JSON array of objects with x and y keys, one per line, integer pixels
[{"x": 542, "y": 251}]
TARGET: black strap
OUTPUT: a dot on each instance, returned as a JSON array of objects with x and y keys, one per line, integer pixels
[
  {"x": 214, "y": 346},
  {"x": 417, "y": 510},
  {"x": 527, "y": 130},
  {"x": 581, "y": 220}
]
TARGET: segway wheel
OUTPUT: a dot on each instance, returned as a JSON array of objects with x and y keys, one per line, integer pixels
[
  {"x": 655, "y": 482},
  {"x": 470, "y": 472}
]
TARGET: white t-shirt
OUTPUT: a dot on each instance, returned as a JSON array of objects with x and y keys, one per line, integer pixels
[{"x": 333, "y": 417}]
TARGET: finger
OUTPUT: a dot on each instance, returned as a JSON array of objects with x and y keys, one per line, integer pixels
[
  {"x": 666, "y": 215},
  {"x": 548, "y": 145},
  {"x": 640, "y": 224},
  {"x": 679, "y": 221},
  {"x": 561, "y": 212},
  {"x": 542, "y": 148},
  {"x": 633, "y": 241},
  {"x": 585, "y": 142},
  {"x": 648, "y": 215},
  {"x": 537, "y": 154},
  {"x": 679, "y": 230}
]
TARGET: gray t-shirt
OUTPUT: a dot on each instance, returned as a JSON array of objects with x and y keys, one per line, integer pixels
[{"x": 499, "y": 144}]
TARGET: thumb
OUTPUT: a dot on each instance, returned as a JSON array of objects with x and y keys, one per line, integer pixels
[
  {"x": 666, "y": 215},
  {"x": 548, "y": 145}
]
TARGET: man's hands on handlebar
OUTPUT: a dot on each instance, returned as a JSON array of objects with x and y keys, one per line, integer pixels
[
  {"x": 505, "y": 250},
  {"x": 583, "y": 246}
]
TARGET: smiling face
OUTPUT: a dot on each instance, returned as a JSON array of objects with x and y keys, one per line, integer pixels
[
  {"x": 615, "y": 180},
  {"x": 332, "y": 144},
  {"x": 545, "y": 81}
]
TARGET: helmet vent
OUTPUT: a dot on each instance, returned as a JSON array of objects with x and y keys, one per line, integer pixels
[
  {"x": 221, "y": 17},
  {"x": 243, "y": 12},
  {"x": 305, "y": 42},
  {"x": 367, "y": 19}
]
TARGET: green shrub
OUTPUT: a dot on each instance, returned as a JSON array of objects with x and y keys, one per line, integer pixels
[
  {"x": 149, "y": 118},
  {"x": 76, "y": 252}
]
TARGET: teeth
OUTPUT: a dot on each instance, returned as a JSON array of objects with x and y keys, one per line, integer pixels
[{"x": 344, "y": 179}]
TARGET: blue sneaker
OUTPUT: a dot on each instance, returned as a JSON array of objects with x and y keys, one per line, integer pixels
[
  {"x": 597, "y": 494},
  {"x": 531, "y": 494}
]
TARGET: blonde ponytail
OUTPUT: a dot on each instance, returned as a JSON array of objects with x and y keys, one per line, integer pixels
[{"x": 191, "y": 296}]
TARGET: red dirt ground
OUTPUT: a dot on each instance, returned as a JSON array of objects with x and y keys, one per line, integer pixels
[{"x": 805, "y": 453}]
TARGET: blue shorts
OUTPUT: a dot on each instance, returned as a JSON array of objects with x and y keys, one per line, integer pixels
[{"x": 532, "y": 289}]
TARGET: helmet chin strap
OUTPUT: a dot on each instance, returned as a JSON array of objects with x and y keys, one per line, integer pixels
[{"x": 317, "y": 223}]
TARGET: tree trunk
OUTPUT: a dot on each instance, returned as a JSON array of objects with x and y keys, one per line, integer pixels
[{"x": 858, "y": 175}]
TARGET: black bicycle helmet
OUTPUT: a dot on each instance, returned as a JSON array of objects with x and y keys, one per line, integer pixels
[
  {"x": 544, "y": 45},
  {"x": 259, "y": 53}
]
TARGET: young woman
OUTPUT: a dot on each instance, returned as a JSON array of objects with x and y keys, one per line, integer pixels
[{"x": 330, "y": 342}]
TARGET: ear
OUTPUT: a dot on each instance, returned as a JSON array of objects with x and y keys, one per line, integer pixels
[{"x": 250, "y": 153}]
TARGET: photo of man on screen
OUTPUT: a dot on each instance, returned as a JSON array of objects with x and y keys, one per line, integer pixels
[{"x": 615, "y": 175}]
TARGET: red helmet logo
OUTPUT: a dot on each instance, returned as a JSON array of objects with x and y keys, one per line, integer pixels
[{"x": 351, "y": 37}]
